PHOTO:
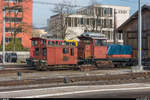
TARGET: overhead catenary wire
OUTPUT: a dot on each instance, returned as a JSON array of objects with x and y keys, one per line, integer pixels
[
  {"x": 48, "y": 3},
  {"x": 75, "y": 6}
]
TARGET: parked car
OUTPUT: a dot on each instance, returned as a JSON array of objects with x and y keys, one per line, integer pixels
[
  {"x": 1, "y": 58},
  {"x": 11, "y": 57}
]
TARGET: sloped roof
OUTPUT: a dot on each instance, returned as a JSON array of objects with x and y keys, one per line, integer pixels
[{"x": 134, "y": 16}]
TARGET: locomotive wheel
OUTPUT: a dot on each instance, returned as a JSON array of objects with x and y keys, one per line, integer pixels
[
  {"x": 87, "y": 67},
  {"x": 43, "y": 67},
  {"x": 38, "y": 68},
  {"x": 104, "y": 64}
]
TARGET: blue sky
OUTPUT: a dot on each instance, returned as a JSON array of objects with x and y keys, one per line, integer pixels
[{"x": 42, "y": 12}]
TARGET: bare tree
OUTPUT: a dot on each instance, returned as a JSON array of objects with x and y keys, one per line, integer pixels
[
  {"x": 93, "y": 2},
  {"x": 97, "y": 23},
  {"x": 64, "y": 10}
]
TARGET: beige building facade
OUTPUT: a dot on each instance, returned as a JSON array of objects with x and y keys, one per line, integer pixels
[{"x": 96, "y": 18}]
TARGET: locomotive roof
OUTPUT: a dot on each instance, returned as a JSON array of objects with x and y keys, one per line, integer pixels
[
  {"x": 93, "y": 35},
  {"x": 45, "y": 38}
]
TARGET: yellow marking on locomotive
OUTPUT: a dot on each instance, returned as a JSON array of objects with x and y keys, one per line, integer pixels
[{"x": 74, "y": 41}]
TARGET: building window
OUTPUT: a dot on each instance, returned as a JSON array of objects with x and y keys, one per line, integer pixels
[
  {"x": 93, "y": 22},
  {"x": 11, "y": 19},
  {"x": 19, "y": 39},
  {"x": 105, "y": 11},
  {"x": 8, "y": 39},
  {"x": 119, "y": 36},
  {"x": 69, "y": 22},
  {"x": 16, "y": 9},
  {"x": 81, "y": 21},
  {"x": 75, "y": 22},
  {"x": 111, "y": 11},
  {"x": 13, "y": 0},
  {"x": 122, "y": 11},
  {"x": 109, "y": 35},
  {"x": 88, "y": 21},
  {"x": 110, "y": 23},
  {"x": 105, "y": 23},
  {"x": 9, "y": 30},
  {"x": 98, "y": 22}
]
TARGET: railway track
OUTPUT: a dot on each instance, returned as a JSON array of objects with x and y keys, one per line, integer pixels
[
  {"x": 5, "y": 69},
  {"x": 25, "y": 68},
  {"x": 15, "y": 67},
  {"x": 102, "y": 79}
]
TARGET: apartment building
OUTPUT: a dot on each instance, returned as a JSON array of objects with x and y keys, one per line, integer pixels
[
  {"x": 18, "y": 20},
  {"x": 97, "y": 18}
]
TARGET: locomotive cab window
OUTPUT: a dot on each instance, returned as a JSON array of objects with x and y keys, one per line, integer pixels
[
  {"x": 86, "y": 41},
  {"x": 43, "y": 41},
  {"x": 36, "y": 51},
  {"x": 56, "y": 42},
  {"x": 67, "y": 43},
  {"x": 72, "y": 52},
  {"x": 65, "y": 50},
  {"x": 53, "y": 43},
  {"x": 44, "y": 52},
  {"x": 100, "y": 42},
  {"x": 73, "y": 44},
  {"x": 34, "y": 42},
  {"x": 60, "y": 43},
  {"x": 49, "y": 42}
]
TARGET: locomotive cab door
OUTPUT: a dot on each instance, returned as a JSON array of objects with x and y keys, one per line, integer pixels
[
  {"x": 88, "y": 51},
  {"x": 84, "y": 49},
  {"x": 99, "y": 48}
]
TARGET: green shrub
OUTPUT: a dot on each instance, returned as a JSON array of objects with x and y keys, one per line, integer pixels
[{"x": 18, "y": 46}]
